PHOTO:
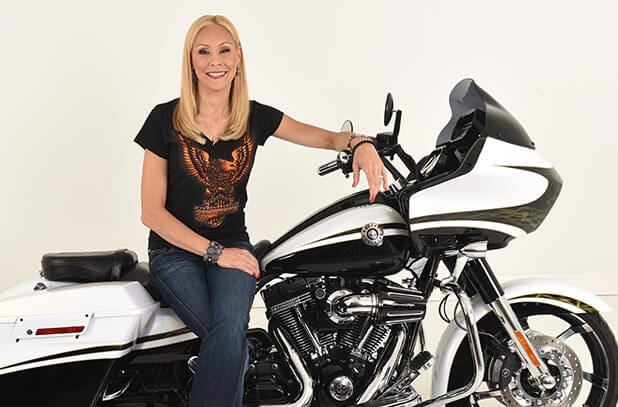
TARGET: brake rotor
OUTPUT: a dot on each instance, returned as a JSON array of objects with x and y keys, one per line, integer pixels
[{"x": 563, "y": 365}]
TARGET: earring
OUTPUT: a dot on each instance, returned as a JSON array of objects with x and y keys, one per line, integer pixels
[{"x": 237, "y": 71}]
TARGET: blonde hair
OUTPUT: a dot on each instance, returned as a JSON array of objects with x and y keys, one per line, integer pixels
[{"x": 187, "y": 107}]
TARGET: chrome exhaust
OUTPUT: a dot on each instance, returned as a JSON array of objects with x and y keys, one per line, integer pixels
[
  {"x": 453, "y": 395},
  {"x": 306, "y": 395},
  {"x": 380, "y": 380}
]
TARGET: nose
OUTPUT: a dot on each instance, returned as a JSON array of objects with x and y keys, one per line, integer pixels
[{"x": 214, "y": 60}]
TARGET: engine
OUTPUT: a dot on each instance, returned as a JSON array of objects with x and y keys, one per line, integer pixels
[{"x": 341, "y": 327}]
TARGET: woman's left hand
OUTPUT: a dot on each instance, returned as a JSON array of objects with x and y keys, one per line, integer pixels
[{"x": 366, "y": 158}]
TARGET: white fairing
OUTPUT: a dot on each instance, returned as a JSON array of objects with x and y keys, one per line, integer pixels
[
  {"x": 491, "y": 184},
  {"x": 328, "y": 230},
  {"x": 515, "y": 291},
  {"x": 117, "y": 317}
]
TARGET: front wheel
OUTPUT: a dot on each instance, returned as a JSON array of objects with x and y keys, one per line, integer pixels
[{"x": 579, "y": 350}]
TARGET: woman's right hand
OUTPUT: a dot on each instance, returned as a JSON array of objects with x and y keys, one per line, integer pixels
[{"x": 241, "y": 259}]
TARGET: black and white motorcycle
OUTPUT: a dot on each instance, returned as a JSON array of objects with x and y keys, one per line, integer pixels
[{"x": 342, "y": 330}]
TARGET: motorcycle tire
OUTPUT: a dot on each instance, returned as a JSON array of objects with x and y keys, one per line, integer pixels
[{"x": 577, "y": 346}]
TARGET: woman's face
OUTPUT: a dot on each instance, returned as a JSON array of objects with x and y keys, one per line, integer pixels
[{"x": 215, "y": 58}]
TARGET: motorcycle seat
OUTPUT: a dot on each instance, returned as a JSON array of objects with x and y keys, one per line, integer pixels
[
  {"x": 141, "y": 274},
  {"x": 87, "y": 267},
  {"x": 92, "y": 267}
]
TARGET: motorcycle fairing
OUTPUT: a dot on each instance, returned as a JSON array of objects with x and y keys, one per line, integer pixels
[
  {"x": 515, "y": 190},
  {"x": 558, "y": 293},
  {"x": 466, "y": 99}
]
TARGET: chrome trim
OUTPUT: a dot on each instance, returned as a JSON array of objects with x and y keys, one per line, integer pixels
[
  {"x": 358, "y": 304},
  {"x": 509, "y": 320},
  {"x": 115, "y": 395},
  {"x": 341, "y": 388},
  {"x": 332, "y": 301},
  {"x": 380, "y": 380},
  {"x": 309, "y": 332},
  {"x": 393, "y": 306},
  {"x": 477, "y": 359},
  {"x": 302, "y": 375}
]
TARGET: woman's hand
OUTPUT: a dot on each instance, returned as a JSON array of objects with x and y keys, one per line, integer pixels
[
  {"x": 366, "y": 158},
  {"x": 241, "y": 259}
]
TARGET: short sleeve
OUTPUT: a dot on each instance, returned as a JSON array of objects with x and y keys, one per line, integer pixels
[
  {"x": 153, "y": 134},
  {"x": 265, "y": 121}
]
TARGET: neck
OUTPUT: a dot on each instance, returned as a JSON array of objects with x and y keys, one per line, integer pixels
[{"x": 214, "y": 105}]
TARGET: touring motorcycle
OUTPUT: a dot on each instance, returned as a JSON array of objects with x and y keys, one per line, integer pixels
[{"x": 343, "y": 328}]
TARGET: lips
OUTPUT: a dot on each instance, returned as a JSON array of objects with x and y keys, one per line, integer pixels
[{"x": 216, "y": 74}]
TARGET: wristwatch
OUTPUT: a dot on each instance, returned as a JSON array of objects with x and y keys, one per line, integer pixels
[{"x": 213, "y": 252}]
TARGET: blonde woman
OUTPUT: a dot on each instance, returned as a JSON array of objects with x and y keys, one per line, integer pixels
[{"x": 199, "y": 151}]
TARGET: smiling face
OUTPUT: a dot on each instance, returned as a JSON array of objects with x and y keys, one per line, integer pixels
[{"x": 215, "y": 57}]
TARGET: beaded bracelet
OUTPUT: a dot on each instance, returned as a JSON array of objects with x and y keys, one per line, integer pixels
[{"x": 213, "y": 252}]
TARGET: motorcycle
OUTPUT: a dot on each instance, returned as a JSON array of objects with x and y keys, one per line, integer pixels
[{"x": 342, "y": 330}]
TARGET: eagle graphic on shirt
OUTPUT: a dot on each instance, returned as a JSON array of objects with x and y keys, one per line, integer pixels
[{"x": 219, "y": 177}]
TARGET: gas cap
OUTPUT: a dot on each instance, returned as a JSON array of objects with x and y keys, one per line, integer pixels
[{"x": 372, "y": 234}]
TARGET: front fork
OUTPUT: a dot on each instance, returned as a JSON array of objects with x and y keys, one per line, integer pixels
[{"x": 471, "y": 265}]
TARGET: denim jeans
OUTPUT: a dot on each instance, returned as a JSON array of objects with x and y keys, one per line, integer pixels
[{"x": 214, "y": 302}]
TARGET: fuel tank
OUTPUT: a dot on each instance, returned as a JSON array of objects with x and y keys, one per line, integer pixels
[{"x": 351, "y": 236}]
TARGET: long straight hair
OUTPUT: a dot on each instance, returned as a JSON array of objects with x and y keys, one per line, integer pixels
[{"x": 187, "y": 107}]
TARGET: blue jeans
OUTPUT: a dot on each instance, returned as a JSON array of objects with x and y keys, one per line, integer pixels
[{"x": 214, "y": 302}]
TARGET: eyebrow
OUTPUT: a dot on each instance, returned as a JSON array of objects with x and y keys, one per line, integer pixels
[{"x": 206, "y": 45}]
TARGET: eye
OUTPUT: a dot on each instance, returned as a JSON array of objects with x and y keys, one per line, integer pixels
[
  {"x": 203, "y": 51},
  {"x": 224, "y": 50}
]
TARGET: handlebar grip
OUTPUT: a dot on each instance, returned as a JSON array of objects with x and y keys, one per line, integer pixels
[{"x": 328, "y": 167}]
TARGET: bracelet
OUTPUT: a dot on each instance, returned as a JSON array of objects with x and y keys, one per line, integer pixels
[
  {"x": 359, "y": 136},
  {"x": 367, "y": 140},
  {"x": 213, "y": 252},
  {"x": 352, "y": 136}
]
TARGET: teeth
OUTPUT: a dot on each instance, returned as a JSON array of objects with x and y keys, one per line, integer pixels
[{"x": 216, "y": 74}]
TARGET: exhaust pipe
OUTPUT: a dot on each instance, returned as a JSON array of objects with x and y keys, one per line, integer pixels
[
  {"x": 302, "y": 375},
  {"x": 453, "y": 395}
]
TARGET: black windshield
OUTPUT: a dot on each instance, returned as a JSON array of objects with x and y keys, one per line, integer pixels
[{"x": 467, "y": 99}]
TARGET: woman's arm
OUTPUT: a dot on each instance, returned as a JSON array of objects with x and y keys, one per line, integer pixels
[
  {"x": 156, "y": 217},
  {"x": 366, "y": 157}
]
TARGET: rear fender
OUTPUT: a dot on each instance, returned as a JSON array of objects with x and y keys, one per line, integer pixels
[{"x": 557, "y": 293}]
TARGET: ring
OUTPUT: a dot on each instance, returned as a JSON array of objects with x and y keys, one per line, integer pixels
[{"x": 381, "y": 176}]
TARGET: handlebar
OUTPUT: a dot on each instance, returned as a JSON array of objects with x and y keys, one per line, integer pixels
[
  {"x": 386, "y": 149},
  {"x": 343, "y": 162}
]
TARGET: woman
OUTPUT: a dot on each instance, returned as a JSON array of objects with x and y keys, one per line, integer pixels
[{"x": 199, "y": 151}]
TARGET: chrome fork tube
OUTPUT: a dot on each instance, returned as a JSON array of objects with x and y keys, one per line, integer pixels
[
  {"x": 524, "y": 348},
  {"x": 492, "y": 294}
]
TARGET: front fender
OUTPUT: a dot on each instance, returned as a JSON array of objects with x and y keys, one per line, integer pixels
[{"x": 571, "y": 298}]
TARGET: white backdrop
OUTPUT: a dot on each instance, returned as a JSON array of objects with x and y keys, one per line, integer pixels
[{"x": 78, "y": 78}]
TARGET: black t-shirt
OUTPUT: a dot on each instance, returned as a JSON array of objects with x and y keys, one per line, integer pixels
[{"x": 207, "y": 184}]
